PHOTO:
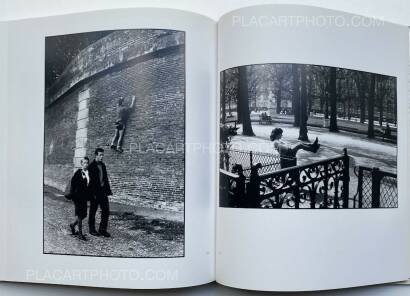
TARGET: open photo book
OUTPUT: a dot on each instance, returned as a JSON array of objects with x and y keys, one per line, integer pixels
[{"x": 155, "y": 148}]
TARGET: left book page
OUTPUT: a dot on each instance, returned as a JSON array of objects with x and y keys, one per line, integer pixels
[
  {"x": 104, "y": 186},
  {"x": 3, "y": 135}
]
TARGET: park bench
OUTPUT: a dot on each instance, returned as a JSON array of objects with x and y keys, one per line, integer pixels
[
  {"x": 231, "y": 127},
  {"x": 265, "y": 119},
  {"x": 386, "y": 134}
]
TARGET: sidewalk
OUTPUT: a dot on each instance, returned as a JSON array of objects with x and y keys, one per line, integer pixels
[{"x": 136, "y": 232}]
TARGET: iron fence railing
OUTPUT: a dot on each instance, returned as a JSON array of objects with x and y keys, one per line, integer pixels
[
  {"x": 230, "y": 157},
  {"x": 375, "y": 188},
  {"x": 322, "y": 184}
]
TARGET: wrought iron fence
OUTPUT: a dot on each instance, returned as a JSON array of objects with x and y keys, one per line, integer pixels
[
  {"x": 375, "y": 188},
  {"x": 322, "y": 184},
  {"x": 230, "y": 157}
]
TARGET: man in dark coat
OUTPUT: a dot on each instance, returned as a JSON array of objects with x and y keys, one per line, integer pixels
[{"x": 100, "y": 186}]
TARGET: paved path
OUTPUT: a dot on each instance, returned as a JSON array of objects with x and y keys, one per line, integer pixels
[{"x": 135, "y": 232}]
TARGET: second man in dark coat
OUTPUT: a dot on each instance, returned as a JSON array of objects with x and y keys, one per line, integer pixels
[{"x": 101, "y": 190}]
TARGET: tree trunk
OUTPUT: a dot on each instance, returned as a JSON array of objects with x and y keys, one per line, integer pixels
[
  {"x": 279, "y": 98},
  {"x": 361, "y": 85},
  {"x": 349, "y": 99},
  {"x": 223, "y": 97},
  {"x": 370, "y": 106},
  {"x": 296, "y": 95},
  {"x": 395, "y": 102},
  {"x": 362, "y": 97},
  {"x": 303, "y": 132},
  {"x": 322, "y": 109},
  {"x": 244, "y": 103},
  {"x": 344, "y": 110},
  {"x": 381, "y": 93},
  {"x": 238, "y": 103},
  {"x": 310, "y": 95},
  {"x": 230, "y": 106},
  {"x": 333, "y": 101}
]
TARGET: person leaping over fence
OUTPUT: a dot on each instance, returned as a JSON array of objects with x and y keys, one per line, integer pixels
[
  {"x": 286, "y": 152},
  {"x": 123, "y": 112}
]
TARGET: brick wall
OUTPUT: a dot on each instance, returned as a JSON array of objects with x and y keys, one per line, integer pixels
[
  {"x": 59, "y": 142},
  {"x": 144, "y": 175},
  {"x": 140, "y": 175},
  {"x": 118, "y": 47}
]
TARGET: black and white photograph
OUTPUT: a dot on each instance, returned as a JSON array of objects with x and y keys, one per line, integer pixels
[
  {"x": 114, "y": 153},
  {"x": 296, "y": 136}
]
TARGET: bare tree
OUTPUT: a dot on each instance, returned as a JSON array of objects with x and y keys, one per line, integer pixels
[
  {"x": 243, "y": 102},
  {"x": 280, "y": 76},
  {"x": 382, "y": 85},
  {"x": 303, "y": 117},
  {"x": 333, "y": 101},
  {"x": 361, "y": 79},
  {"x": 370, "y": 106},
  {"x": 231, "y": 90},
  {"x": 223, "y": 97},
  {"x": 296, "y": 94}
]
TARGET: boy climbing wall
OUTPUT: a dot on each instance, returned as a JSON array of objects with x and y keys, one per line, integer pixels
[{"x": 123, "y": 114}]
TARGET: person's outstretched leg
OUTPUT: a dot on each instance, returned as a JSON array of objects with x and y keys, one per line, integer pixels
[
  {"x": 307, "y": 147},
  {"x": 114, "y": 140},
  {"x": 120, "y": 139}
]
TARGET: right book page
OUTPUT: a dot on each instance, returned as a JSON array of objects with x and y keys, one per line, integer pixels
[{"x": 313, "y": 173}]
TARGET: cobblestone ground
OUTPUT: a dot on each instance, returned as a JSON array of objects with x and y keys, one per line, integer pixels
[{"x": 135, "y": 232}]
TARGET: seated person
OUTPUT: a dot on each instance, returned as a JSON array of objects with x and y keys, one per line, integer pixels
[{"x": 286, "y": 152}]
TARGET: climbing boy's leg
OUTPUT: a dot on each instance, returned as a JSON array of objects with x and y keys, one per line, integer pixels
[
  {"x": 115, "y": 138},
  {"x": 121, "y": 138}
]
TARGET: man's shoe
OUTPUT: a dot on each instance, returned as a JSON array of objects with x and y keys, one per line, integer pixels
[
  {"x": 113, "y": 147},
  {"x": 82, "y": 237},
  {"x": 95, "y": 233},
  {"x": 105, "y": 234},
  {"x": 119, "y": 149}
]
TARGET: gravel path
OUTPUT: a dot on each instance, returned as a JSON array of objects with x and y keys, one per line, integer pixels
[{"x": 136, "y": 232}]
